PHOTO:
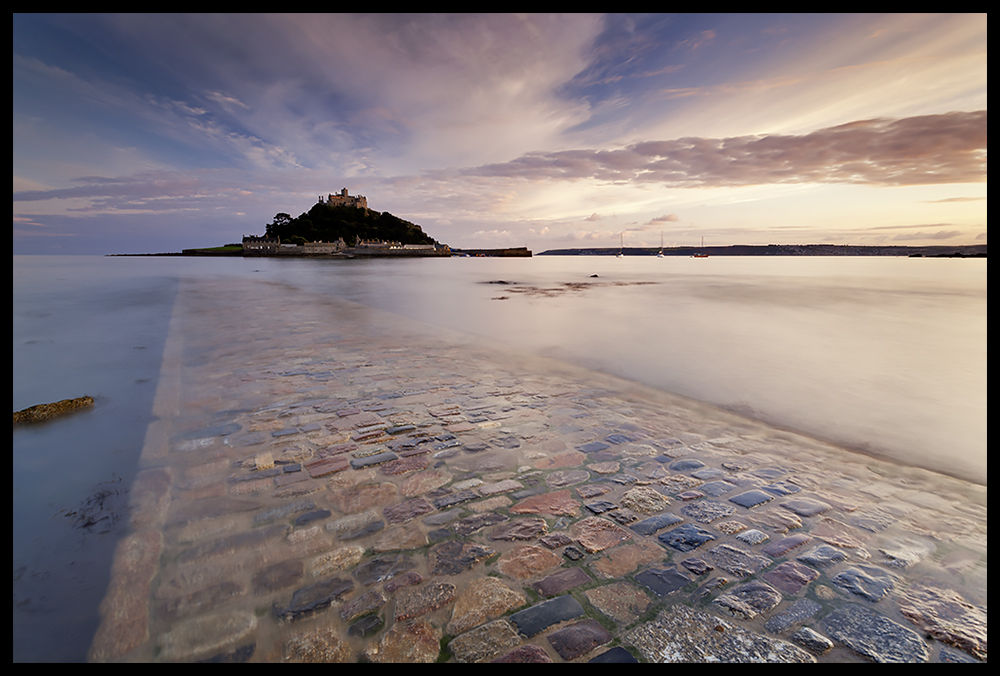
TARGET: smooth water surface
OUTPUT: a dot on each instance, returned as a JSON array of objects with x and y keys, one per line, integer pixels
[{"x": 886, "y": 355}]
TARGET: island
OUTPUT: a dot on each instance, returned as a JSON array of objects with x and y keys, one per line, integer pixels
[{"x": 341, "y": 225}]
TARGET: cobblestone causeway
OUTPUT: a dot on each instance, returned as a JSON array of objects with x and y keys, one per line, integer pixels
[{"x": 326, "y": 482}]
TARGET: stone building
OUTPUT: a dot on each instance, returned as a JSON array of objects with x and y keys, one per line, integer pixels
[
  {"x": 254, "y": 245},
  {"x": 345, "y": 200}
]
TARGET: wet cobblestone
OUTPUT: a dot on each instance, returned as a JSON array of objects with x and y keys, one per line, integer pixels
[{"x": 337, "y": 484}]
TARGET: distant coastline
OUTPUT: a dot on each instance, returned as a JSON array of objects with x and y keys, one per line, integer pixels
[{"x": 973, "y": 251}]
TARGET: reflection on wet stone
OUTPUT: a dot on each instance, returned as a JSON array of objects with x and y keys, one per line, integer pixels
[{"x": 366, "y": 447}]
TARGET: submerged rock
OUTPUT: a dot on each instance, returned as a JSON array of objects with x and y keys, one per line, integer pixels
[{"x": 43, "y": 412}]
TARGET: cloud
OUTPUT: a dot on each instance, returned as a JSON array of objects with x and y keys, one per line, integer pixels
[
  {"x": 940, "y": 234},
  {"x": 922, "y": 150},
  {"x": 593, "y": 217},
  {"x": 665, "y": 218}
]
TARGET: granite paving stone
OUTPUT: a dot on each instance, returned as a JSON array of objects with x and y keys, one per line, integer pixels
[
  {"x": 753, "y": 498},
  {"x": 875, "y": 636},
  {"x": 736, "y": 560},
  {"x": 651, "y": 525},
  {"x": 596, "y": 534},
  {"x": 662, "y": 581},
  {"x": 748, "y": 600},
  {"x": 484, "y": 643},
  {"x": 619, "y": 601},
  {"x": 685, "y": 538},
  {"x": 578, "y": 639},
  {"x": 561, "y": 582},
  {"x": 527, "y": 561},
  {"x": 525, "y": 654},
  {"x": 541, "y": 616},
  {"x": 869, "y": 582},
  {"x": 707, "y": 511},
  {"x": 682, "y": 634},
  {"x": 791, "y": 576}
]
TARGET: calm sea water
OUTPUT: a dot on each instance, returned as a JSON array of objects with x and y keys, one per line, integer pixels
[{"x": 885, "y": 355}]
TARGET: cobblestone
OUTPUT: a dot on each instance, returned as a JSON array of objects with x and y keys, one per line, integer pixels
[{"x": 523, "y": 513}]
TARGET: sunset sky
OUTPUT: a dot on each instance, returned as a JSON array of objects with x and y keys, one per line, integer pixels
[{"x": 151, "y": 133}]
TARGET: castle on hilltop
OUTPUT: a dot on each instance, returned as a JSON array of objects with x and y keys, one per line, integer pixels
[{"x": 345, "y": 200}]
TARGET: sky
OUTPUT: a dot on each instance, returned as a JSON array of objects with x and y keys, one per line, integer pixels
[{"x": 152, "y": 133}]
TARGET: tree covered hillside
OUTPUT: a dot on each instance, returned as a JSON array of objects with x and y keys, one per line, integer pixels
[{"x": 325, "y": 223}]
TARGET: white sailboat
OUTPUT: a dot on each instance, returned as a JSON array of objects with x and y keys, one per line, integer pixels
[
  {"x": 660, "y": 255},
  {"x": 621, "y": 251}
]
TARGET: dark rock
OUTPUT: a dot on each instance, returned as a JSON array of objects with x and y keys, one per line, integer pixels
[
  {"x": 655, "y": 523},
  {"x": 540, "y": 617},
  {"x": 554, "y": 540},
  {"x": 382, "y": 568},
  {"x": 573, "y": 554},
  {"x": 752, "y": 498},
  {"x": 477, "y": 522},
  {"x": 362, "y": 531},
  {"x": 525, "y": 654},
  {"x": 579, "y": 639},
  {"x": 592, "y": 447},
  {"x": 697, "y": 566},
  {"x": 312, "y": 516},
  {"x": 663, "y": 581},
  {"x": 314, "y": 598},
  {"x": 600, "y": 506},
  {"x": 617, "y": 655},
  {"x": 251, "y": 539},
  {"x": 376, "y": 459},
  {"x": 685, "y": 538},
  {"x": 451, "y": 558},
  {"x": 452, "y": 499},
  {"x": 366, "y": 626}
]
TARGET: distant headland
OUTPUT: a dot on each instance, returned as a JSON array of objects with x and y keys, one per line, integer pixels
[{"x": 973, "y": 251}]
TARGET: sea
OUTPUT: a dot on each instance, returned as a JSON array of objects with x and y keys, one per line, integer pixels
[{"x": 882, "y": 355}]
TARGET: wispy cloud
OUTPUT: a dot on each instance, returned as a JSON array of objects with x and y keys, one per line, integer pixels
[{"x": 928, "y": 149}]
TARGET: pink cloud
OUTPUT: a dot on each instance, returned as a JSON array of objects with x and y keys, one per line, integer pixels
[{"x": 928, "y": 149}]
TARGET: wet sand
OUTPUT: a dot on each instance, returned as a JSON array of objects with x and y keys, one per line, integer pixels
[{"x": 326, "y": 482}]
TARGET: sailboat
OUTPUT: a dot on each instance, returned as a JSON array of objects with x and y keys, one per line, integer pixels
[
  {"x": 660, "y": 255},
  {"x": 701, "y": 254},
  {"x": 621, "y": 251}
]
